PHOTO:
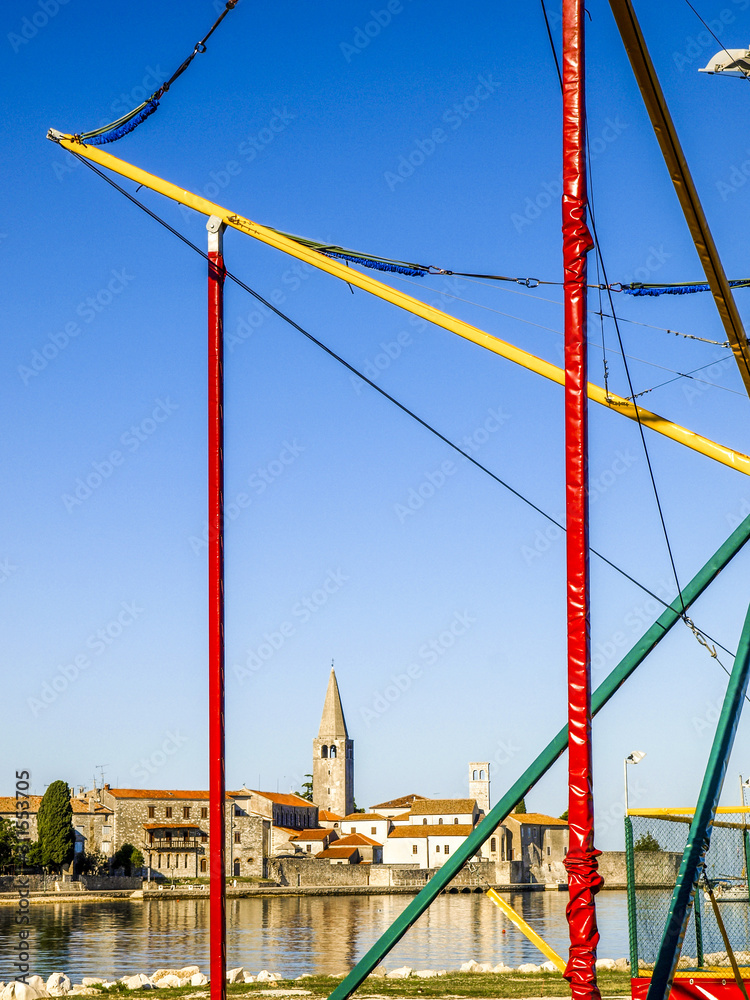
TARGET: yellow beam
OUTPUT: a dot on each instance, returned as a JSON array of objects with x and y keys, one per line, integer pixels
[
  {"x": 520, "y": 923},
  {"x": 719, "y": 453}
]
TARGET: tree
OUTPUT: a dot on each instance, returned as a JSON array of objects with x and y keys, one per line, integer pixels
[
  {"x": 55, "y": 827},
  {"x": 565, "y": 816},
  {"x": 307, "y": 789},
  {"x": 10, "y": 846},
  {"x": 91, "y": 863},
  {"x": 127, "y": 858},
  {"x": 647, "y": 842},
  {"x": 520, "y": 807}
]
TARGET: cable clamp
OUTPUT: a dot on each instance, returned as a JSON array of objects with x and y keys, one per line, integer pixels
[
  {"x": 616, "y": 286},
  {"x": 528, "y": 282},
  {"x": 699, "y": 635},
  {"x": 199, "y": 48}
]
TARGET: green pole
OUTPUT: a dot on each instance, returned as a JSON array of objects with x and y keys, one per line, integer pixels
[
  {"x": 698, "y": 929},
  {"x": 700, "y": 828},
  {"x": 632, "y": 912},
  {"x": 541, "y": 765}
]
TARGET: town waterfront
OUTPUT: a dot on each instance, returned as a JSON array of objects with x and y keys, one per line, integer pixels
[{"x": 293, "y": 935}]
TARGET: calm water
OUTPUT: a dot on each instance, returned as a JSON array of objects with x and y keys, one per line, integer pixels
[{"x": 294, "y": 935}]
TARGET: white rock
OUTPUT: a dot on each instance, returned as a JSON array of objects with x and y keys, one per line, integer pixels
[
  {"x": 470, "y": 966},
  {"x": 249, "y": 978},
  {"x": 38, "y": 984},
  {"x": 264, "y": 976},
  {"x": 378, "y": 972},
  {"x": 91, "y": 981},
  {"x": 199, "y": 979},
  {"x": 484, "y": 967},
  {"x": 528, "y": 967},
  {"x": 236, "y": 975},
  {"x": 501, "y": 967},
  {"x": 19, "y": 991},
  {"x": 426, "y": 974},
  {"x": 622, "y": 964},
  {"x": 403, "y": 973},
  {"x": 155, "y": 977},
  {"x": 548, "y": 967},
  {"x": 137, "y": 982},
  {"x": 58, "y": 984},
  {"x": 188, "y": 972},
  {"x": 169, "y": 982},
  {"x": 605, "y": 963}
]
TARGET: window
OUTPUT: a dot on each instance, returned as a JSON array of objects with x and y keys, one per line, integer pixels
[
  {"x": 186, "y": 860},
  {"x": 324, "y": 752},
  {"x": 474, "y": 775},
  {"x": 168, "y": 812},
  {"x": 186, "y": 812},
  {"x": 151, "y": 812},
  {"x": 424, "y": 822},
  {"x": 446, "y": 849},
  {"x": 414, "y": 848},
  {"x": 237, "y": 838},
  {"x": 353, "y": 829},
  {"x": 455, "y": 820},
  {"x": 333, "y": 751},
  {"x": 204, "y": 812},
  {"x": 437, "y": 848},
  {"x": 549, "y": 851},
  {"x": 493, "y": 845},
  {"x": 236, "y": 868},
  {"x": 158, "y": 864},
  {"x": 481, "y": 775},
  {"x": 549, "y": 867},
  {"x": 186, "y": 834},
  {"x": 168, "y": 861},
  {"x": 440, "y": 820},
  {"x": 204, "y": 838},
  {"x": 204, "y": 865},
  {"x": 309, "y": 848},
  {"x": 373, "y": 829},
  {"x": 168, "y": 835}
]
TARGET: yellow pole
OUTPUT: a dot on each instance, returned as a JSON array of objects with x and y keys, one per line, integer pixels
[
  {"x": 520, "y": 923},
  {"x": 719, "y": 453}
]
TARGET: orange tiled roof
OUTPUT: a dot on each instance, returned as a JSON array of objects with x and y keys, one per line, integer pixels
[
  {"x": 327, "y": 816},
  {"x": 538, "y": 819},
  {"x": 356, "y": 839},
  {"x": 337, "y": 852},
  {"x": 312, "y": 835},
  {"x": 79, "y": 807},
  {"x": 433, "y": 830},
  {"x": 405, "y": 801},
  {"x": 282, "y": 799},
  {"x": 353, "y": 817},
  {"x": 427, "y": 807}
]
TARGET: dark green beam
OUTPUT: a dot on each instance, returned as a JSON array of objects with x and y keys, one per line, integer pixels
[
  {"x": 541, "y": 765},
  {"x": 700, "y": 829}
]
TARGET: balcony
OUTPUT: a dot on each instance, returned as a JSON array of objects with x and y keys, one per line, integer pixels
[{"x": 165, "y": 846}]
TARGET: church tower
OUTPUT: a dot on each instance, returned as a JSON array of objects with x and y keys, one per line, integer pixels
[
  {"x": 333, "y": 757},
  {"x": 479, "y": 784}
]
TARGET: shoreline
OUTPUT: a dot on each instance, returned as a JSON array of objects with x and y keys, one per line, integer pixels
[{"x": 244, "y": 892}]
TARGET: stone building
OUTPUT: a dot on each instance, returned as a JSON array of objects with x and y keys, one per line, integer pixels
[
  {"x": 172, "y": 829},
  {"x": 333, "y": 757},
  {"x": 539, "y": 842},
  {"x": 92, "y": 821},
  {"x": 479, "y": 784},
  {"x": 286, "y": 813}
]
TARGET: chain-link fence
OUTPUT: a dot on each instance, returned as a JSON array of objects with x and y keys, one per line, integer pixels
[{"x": 654, "y": 843}]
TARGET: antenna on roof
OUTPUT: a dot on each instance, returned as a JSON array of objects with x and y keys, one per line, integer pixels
[{"x": 101, "y": 773}]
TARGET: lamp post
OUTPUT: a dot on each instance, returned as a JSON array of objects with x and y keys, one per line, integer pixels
[
  {"x": 729, "y": 62},
  {"x": 632, "y": 758}
]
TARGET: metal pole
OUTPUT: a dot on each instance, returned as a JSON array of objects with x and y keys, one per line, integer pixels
[
  {"x": 581, "y": 865},
  {"x": 217, "y": 788},
  {"x": 625, "y": 763},
  {"x": 535, "y": 771},
  {"x": 700, "y": 828}
]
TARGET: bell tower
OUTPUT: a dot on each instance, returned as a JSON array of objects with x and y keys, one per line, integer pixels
[
  {"x": 333, "y": 757},
  {"x": 479, "y": 784}
]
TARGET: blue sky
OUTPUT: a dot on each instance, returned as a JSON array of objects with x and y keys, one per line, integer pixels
[{"x": 300, "y": 116}]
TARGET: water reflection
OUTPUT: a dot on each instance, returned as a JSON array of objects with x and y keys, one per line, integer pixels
[{"x": 294, "y": 934}]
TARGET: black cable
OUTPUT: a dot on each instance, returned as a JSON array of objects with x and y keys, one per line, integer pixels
[
  {"x": 552, "y": 45},
  {"x": 377, "y": 388}
]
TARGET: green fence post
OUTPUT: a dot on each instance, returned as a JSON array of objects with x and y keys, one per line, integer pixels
[
  {"x": 700, "y": 828},
  {"x": 484, "y": 830},
  {"x": 632, "y": 912},
  {"x": 698, "y": 929}
]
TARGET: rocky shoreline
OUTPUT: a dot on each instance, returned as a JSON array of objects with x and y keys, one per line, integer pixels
[{"x": 60, "y": 985}]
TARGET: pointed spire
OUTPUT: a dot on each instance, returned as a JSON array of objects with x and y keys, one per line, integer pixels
[{"x": 332, "y": 723}]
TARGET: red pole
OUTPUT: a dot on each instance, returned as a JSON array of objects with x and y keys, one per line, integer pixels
[
  {"x": 584, "y": 880},
  {"x": 217, "y": 790}
]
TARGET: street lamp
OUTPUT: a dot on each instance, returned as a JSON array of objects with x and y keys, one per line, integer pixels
[
  {"x": 743, "y": 785},
  {"x": 632, "y": 758},
  {"x": 730, "y": 62}
]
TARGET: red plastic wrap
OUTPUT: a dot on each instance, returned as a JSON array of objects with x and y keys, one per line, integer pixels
[
  {"x": 581, "y": 864},
  {"x": 217, "y": 908}
]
